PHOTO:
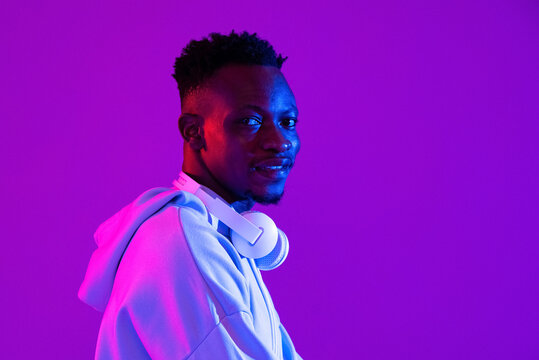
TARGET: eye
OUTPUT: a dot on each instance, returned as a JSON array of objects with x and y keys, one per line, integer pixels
[
  {"x": 289, "y": 123},
  {"x": 251, "y": 121}
]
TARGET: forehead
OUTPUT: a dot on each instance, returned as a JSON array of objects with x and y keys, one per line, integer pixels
[{"x": 237, "y": 85}]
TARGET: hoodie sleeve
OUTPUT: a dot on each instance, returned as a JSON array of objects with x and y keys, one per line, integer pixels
[{"x": 167, "y": 304}]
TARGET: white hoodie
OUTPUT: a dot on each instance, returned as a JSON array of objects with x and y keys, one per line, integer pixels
[{"x": 173, "y": 287}]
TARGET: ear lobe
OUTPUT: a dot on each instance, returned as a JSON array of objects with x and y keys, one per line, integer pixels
[{"x": 190, "y": 126}]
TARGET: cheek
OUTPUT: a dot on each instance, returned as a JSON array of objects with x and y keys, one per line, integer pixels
[
  {"x": 217, "y": 145},
  {"x": 296, "y": 144},
  {"x": 235, "y": 157}
]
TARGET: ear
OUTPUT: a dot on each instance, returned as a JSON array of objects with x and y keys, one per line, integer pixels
[{"x": 190, "y": 126}]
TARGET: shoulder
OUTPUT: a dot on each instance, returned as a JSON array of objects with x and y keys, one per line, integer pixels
[
  {"x": 216, "y": 258},
  {"x": 178, "y": 246}
]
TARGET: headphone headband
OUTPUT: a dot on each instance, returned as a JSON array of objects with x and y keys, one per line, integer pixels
[{"x": 220, "y": 208}]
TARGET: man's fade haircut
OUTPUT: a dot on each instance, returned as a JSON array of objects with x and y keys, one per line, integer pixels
[{"x": 200, "y": 59}]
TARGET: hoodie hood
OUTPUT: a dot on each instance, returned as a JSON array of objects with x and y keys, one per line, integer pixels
[{"x": 113, "y": 236}]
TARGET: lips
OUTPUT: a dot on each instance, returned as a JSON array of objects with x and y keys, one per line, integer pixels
[
  {"x": 274, "y": 168},
  {"x": 274, "y": 164}
]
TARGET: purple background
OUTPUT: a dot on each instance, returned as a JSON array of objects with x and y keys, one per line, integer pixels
[{"x": 412, "y": 210}]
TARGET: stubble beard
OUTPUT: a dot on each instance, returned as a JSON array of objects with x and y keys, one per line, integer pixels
[{"x": 267, "y": 199}]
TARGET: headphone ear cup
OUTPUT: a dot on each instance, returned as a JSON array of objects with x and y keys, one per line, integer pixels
[
  {"x": 266, "y": 241},
  {"x": 277, "y": 256}
]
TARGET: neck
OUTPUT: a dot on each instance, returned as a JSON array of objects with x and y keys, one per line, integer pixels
[{"x": 202, "y": 175}]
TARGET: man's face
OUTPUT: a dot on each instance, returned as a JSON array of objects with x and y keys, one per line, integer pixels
[{"x": 250, "y": 133}]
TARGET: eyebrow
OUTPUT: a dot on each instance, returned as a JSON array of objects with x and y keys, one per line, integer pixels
[{"x": 259, "y": 109}]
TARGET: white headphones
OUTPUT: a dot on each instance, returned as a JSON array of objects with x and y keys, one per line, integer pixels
[{"x": 254, "y": 234}]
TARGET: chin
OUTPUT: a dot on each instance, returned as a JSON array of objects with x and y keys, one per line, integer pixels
[{"x": 266, "y": 198}]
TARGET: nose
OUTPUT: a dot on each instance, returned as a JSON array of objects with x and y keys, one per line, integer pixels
[{"x": 274, "y": 140}]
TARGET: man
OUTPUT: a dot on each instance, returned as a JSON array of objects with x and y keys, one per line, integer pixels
[{"x": 170, "y": 271}]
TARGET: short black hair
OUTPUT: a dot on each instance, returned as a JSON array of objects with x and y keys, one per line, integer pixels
[{"x": 201, "y": 58}]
